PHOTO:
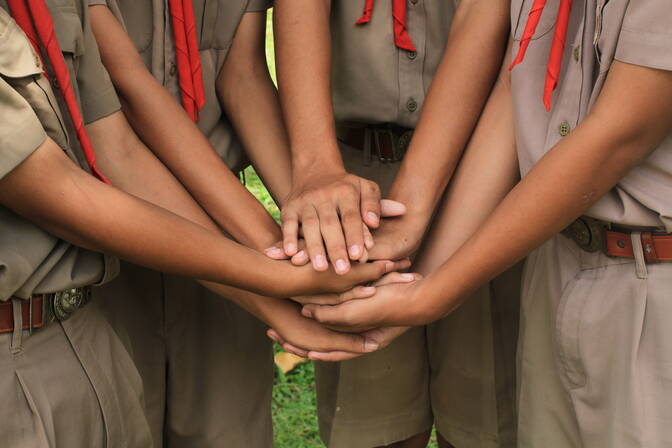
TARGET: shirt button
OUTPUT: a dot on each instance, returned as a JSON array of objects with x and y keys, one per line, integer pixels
[
  {"x": 173, "y": 70},
  {"x": 564, "y": 128},
  {"x": 577, "y": 53},
  {"x": 412, "y": 55},
  {"x": 412, "y": 105}
]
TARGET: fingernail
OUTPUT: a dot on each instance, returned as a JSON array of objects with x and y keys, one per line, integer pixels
[
  {"x": 368, "y": 289},
  {"x": 306, "y": 313},
  {"x": 389, "y": 266},
  {"x": 372, "y": 216},
  {"x": 300, "y": 254},
  {"x": 319, "y": 262},
  {"x": 291, "y": 247},
  {"x": 341, "y": 265},
  {"x": 370, "y": 346},
  {"x": 408, "y": 276},
  {"x": 273, "y": 251},
  {"x": 355, "y": 250}
]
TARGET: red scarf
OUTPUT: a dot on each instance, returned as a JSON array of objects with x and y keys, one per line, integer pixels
[
  {"x": 557, "y": 49},
  {"x": 401, "y": 37},
  {"x": 188, "y": 58},
  {"x": 34, "y": 18}
]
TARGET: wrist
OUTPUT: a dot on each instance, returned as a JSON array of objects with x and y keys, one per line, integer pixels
[{"x": 316, "y": 161}]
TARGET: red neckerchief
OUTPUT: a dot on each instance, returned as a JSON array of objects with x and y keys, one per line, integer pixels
[
  {"x": 555, "y": 59},
  {"x": 189, "y": 69},
  {"x": 401, "y": 37},
  {"x": 34, "y": 18}
]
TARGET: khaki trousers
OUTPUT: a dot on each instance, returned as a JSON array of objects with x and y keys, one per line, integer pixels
[
  {"x": 70, "y": 384},
  {"x": 458, "y": 373},
  {"x": 595, "y": 350},
  {"x": 206, "y": 364}
]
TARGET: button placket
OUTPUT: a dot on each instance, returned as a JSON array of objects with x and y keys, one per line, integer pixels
[{"x": 410, "y": 66}]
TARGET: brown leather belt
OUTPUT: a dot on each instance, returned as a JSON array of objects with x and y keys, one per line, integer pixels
[
  {"x": 41, "y": 309},
  {"x": 388, "y": 142},
  {"x": 592, "y": 235}
]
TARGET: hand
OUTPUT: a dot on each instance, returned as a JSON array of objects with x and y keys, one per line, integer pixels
[
  {"x": 398, "y": 304},
  {"x": 399, "y": 238},
  {"x": 301, "y": 336},
  {"x": 331, "y": 209},
  {"x": 388, "y": 209},
  {"x": 304, "y": 280}
]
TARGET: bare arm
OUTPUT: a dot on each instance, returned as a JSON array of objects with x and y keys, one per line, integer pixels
[
  {"x": 328, "y": 203},
  {"x": 78, "y": 208},
  {"x": 161, "y": 123},
  {"x": 456, "y": 97},
  {"x": 250, "y": 99},
  {"x": 587, "y": 163}
]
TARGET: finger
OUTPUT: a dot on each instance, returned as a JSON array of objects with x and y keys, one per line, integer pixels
[
  {"x": 313, "y": 238},
  {"x": 385, "y": 335},
  {"x": 301, "y": 257},
  {"x": 276, "y": 251},
  {"x": 398, "y": 265},
  {"x": 368, "y": 238},
  {"x": 318, "y": 299},
  {"x": 357, "y": 293},
  {"x": 349, "y": 314},
  {"x": 352, "y": 228},
  {"x": 334, "y": 356},
  {"x": 370, "y": 203},
  {"x": 272, "y": 334},
  {"x": 390, "y": 208},
  {"x": 397, "y": 277},
  {"x": 290, "y": 230},
  {"x": 332, "y": 232},
  {"x": 369, "y": 272},
  {"x": 289, "y": 348}
]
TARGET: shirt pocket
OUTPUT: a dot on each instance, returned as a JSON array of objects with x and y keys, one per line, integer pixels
[
  {"x": 228, "y": 16},
  {"x": 18, "y": 59},
  {"x": 607, "y": 31},
  {"x": 520, "y": 11},
  {"x": 70, "y": 35}
]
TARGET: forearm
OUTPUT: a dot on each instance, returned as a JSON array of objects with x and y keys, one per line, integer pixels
[
  {"x": 303, "y": 53},
  {"x": 250, "y": 99},
  {"x": 162, "y": 124},
  {"x": 76, "y": 207},
  {"x": 587, "y": 164},
  {"x": 454, "y": 102}
]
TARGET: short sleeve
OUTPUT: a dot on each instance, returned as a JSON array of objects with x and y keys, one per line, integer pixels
[
  {"x": 97, "y": 2},
  {"x": 258, "y": 5},
  {"x": 646, "y": 34},
  {"x": 97, "y": 94},
  {"x": 21, "y": 132}
]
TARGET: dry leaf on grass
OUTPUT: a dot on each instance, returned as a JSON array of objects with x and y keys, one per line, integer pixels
[{"x": 288, "y": 361}]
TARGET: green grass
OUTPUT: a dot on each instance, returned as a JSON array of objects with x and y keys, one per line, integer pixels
[{"x": 294, "y": 407}]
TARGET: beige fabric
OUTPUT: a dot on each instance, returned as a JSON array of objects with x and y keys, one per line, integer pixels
[
  {"x": 458, "y": 373},
  {"x": 595, "y": 350},
  {"x": 31, "y": 260},
  {"x": 70, "y": 384},
  {"x": 150, "y": 27},
  {"x": 632, "y": 31},
  {"x": 375, "y": 82},
  {"x": 206, "y": 364}
]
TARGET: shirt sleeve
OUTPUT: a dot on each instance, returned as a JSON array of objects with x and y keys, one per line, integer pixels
[
  {"x": 97, "y": 2},
  {"x": 646, "y": 34},
  {"x": 258, "y": 5},
  {"x": 20, "y": 130},
  {"x": 97, "y": 94}
]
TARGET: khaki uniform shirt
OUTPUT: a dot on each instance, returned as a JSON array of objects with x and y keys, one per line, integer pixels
[
  {"x": 632, "y": 31},
  {"x": 32, "y": 260},
  {"x": 375, "y": 82},
  {"x": 149, "y": 25}
]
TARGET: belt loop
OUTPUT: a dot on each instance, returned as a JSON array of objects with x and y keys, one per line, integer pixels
[
  {"x": 17, "y": 334},
  {"x": 368, "y": 141},
  {"x": 640, "y": 262}
]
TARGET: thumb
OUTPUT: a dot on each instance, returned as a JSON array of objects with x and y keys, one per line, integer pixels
[{"x": 390, "y": 208}]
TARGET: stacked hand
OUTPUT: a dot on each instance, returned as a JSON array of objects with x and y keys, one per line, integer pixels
[{"x": 339, "y": 212}]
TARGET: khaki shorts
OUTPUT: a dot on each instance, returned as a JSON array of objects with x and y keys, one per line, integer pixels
[
  {"x": 206, "y": 364},
  {"x": 458, "y": 373},
  {"x": 595, "y": 350},
  {"x": 70, "y": 384}
]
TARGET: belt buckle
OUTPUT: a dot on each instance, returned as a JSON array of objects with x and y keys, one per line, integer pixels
[
  {"x": 588, "y": 233},
  {"x": 399, "y": 144},
  {"x": 387, "y": 133},
  {"x": 65, "y": 303}
]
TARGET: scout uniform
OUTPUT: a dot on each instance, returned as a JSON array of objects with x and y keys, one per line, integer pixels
[
  {"x": 595, "y": 351},
  {"x": 65, "y": 378},
  {"x": 457, "y": 373},
  {"x": 206, "y": 364}
]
